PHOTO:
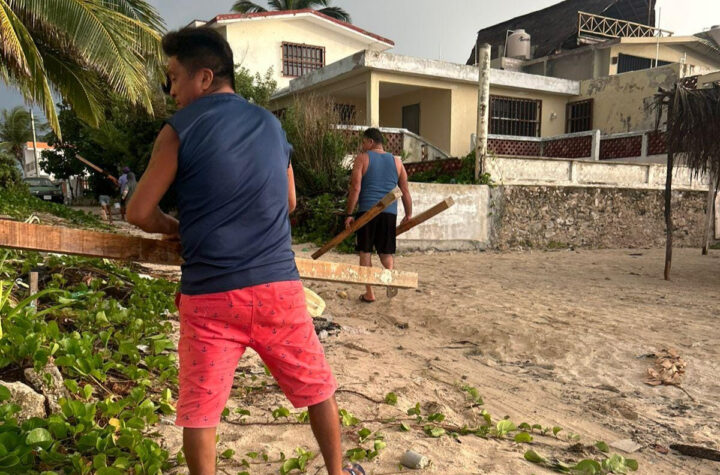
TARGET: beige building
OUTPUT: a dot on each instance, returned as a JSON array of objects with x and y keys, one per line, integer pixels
[
  {"x": 435, "y": 99},
  {"x": 622, "y": 55},
  {"x": 292, "y": 43}
]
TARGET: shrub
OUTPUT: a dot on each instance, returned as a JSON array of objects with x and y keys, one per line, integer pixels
[
  {"x": 320, "y": 218},
  {"x": 464, "y": 176},
  {"x": 319, "y": 147},
  {"x": 9, "y": 173}
]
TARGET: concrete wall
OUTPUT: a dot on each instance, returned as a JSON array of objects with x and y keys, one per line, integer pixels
[
  {"x": 466, "y": 225},
  {"x": 257, "y": 45},
  {"x": 576, "y": 66},
  {"x": 624, "y": 102},
  {"x": 559, "y": 172}
]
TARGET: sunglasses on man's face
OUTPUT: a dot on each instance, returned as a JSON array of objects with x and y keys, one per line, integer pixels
[{"x": 167, "y": 85}]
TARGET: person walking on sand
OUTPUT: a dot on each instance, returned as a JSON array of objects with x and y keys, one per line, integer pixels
[
  {"x": 229, "y": 160},
  {"x": 127, "y": 188},
  {"x": 375, "y": 174}
]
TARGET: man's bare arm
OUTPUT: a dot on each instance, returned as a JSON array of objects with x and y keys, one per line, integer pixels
[
  {"x": 405, "y": 188},
  {"x": 292, "y": 199},
  {"x": 143, "y": 210},
  {"x": 355, "y": 183}
]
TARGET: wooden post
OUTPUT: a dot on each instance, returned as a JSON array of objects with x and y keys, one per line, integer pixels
[
  {"x": 668, "y": 190},
  {"x": 710, "y": 210},
  {"x": 483, "y": 116},
  {"x": 378, "y": 208},
  {"x": 33, "y": 285},
  {"x": 668, "y": 215},
  {"x": 425, "y": 215},
  {"x": 35, "y": 237}
]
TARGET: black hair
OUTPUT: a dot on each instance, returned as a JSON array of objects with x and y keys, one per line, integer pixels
[
  {"x": 198, "y": 48},
  {"x": 375, "y": 135}
]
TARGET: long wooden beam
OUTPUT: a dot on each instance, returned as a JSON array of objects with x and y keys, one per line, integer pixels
[
  {"x": 425, "y": 215},
  {"x": 378, "y": 208},
  {"x": 36, "y": 237},
  {"x": 97, "y": 168}
]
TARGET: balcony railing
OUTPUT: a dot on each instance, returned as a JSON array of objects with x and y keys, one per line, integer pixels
[{"x": 592, "y": 26}]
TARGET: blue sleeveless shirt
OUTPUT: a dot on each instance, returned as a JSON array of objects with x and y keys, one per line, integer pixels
[
  {"x": 379, "y": 180},
  {"x": 232, "y": 193}
]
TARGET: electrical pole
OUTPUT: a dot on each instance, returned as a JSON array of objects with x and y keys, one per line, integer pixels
[{"x": 35, "y": 149}]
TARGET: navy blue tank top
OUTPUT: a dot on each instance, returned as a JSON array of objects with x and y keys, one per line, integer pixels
[
  {"x": 232, "y": 193},
  {"x": 379, "y": 180}
]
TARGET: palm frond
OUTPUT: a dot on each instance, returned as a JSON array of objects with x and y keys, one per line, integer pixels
[
  {"x": 337, "y": 13},
  {"x": 246, "y": 6},
  {"x": 693, "y": 126},
  {"x": 111, "y": 43},
  {"x": 80, "y": 87},
  {"x": 24, "y": 67},
  {"x": 139, "y": 10}
]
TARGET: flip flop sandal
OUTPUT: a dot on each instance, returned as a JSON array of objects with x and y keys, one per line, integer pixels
[
  {"x": 392, "y": 292},
  {"x": 364, "y": 300},
  {"x": 354, "y": 470}
]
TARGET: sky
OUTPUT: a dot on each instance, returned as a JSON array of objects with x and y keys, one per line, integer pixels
[{"x": 429, "y": 28}]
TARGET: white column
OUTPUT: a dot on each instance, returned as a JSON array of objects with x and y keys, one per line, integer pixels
[
  {"x": 595, "y": 147},
  {"x": 483, "y": 116},
  {"x": 372, "y": 99}
]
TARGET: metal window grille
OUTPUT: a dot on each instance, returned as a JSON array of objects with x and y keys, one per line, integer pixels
[
  {"x": 513, "y": 116},
  {"x": 299, "y": 60},
  {"x": 346, "y": 113},
  {"x": 579, "y": 116},
  {"x": 628, "y": 62}
]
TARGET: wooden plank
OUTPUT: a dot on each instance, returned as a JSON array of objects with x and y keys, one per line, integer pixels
[
  {"x": 36, "y": 237},
  {"x": 425, "y": 215},
  {"x": 352, "y": 274},
  {"x": 378, "y": 208},
  {"x": 97, "y": 168}
]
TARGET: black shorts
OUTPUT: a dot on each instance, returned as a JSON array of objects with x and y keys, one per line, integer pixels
[{"x": 378, "y": 233}]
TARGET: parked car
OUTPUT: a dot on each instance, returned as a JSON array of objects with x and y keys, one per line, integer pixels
[{"x": 45, "y": 189}]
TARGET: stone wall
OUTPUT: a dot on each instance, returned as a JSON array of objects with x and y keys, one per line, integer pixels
[{"x": 557, "y": 217}]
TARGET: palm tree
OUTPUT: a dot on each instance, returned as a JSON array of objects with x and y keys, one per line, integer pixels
[
  {"x": 82, "y": 50},
  {"x": 246, "y": 6},
  {"x": 15, "y": 131}
]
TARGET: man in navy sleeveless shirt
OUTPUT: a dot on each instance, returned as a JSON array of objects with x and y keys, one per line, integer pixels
[
  {"x": 375, "y": 174},
  {"x": 229, "y": 162}
]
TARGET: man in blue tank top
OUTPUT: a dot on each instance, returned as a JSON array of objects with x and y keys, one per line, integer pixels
[
  {"x": 230, "y": 163},
  {"x": 375, "y": 174}
]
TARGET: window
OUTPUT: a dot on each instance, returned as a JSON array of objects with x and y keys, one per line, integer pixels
[
  {"x": 628, "y": 62},
  {"x": 513, "y": 116},
  {"x": 579, "y": 116},
  {"x": 298, "y": 60},
  {"x": 346, "y": 113}
]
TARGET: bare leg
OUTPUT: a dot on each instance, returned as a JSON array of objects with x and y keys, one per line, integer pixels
[
  {"x": 387, "y": 261},
  {"x": 199, "y": 448},
  {"x": 326, "y": 427},
  {"x": 366, "y": 261}
]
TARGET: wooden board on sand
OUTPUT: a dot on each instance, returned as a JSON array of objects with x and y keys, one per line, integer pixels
[{"x": 35, "y": 237}]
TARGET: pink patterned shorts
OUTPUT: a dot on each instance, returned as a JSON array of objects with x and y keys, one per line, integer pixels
[{"x": 216, "y": 328}]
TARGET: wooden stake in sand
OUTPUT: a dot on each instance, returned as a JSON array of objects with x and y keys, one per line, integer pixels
[
  {"x": 378, "y": 208},
  {"x": 425, "y": 215},
  {"x": 35, "y": 237}
]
